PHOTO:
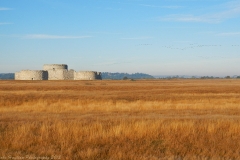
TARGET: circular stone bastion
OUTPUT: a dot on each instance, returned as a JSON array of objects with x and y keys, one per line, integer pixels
[
  {"x": 31, "y": 75},
  {"x": 87, "y": 75},
  {"x": 54, "y": 66}
]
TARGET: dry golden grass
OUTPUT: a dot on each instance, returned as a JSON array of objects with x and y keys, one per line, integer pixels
[{"x": 157, "y": 119}]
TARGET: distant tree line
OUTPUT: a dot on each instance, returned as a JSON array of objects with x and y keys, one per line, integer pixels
[
  {"x": 199, "y": 77},
  {"x": 108, "y": 75},
  {"x": 7, "y": 75}
]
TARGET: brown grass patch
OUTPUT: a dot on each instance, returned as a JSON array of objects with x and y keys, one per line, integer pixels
[{"x": 157, "y": 119}]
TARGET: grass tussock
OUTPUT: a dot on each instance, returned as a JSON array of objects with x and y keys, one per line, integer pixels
[{"x": 175, "y": 119}]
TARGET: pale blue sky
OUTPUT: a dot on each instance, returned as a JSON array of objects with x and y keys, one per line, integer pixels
[{"x": 158, "y": 37}]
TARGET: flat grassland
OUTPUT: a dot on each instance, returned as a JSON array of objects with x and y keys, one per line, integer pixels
[{"x": 143, "y": 119}]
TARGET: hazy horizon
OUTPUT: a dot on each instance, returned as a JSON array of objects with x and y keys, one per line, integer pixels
[{"x": 177, "y": 37}]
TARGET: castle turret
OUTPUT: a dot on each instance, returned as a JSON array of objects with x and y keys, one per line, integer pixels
[
  {"x": 31, "y": 75},
  {"x": 57, "y": 72},
  {"x": 87, "y": 75},
  {"x": 55, "y": 66}
]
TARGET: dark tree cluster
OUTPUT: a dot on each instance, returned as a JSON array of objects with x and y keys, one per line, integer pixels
[
  {"x": 108, "y": 75},
  {"x": 6, "y": 75}
]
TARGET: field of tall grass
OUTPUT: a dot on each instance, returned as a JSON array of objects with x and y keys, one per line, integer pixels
[{"x": 139, "y": 120}]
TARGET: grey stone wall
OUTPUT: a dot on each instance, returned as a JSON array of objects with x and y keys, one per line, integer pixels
[
  {"x": 60, "y": 74},
  {"x": 31, "y": 75},
  {"x": 54, "y": 66},
  {"x": 87, "y": 75},
  {"x": 70, "y": 74}
]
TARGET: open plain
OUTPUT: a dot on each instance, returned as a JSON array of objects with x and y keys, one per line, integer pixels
[{"x": 142, "y": 119}]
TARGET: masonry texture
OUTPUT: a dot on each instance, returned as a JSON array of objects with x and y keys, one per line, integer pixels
[
  {"x": 87, "y": 75},
  {"x": 54, "y": 66},
  {"x": 57, "y": 72},
  {"x": 31, "y": 75}
]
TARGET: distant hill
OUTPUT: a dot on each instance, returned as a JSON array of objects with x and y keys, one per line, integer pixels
[
  {"x": 6, "y": 75},
  {"x": 108, "y": 75}
]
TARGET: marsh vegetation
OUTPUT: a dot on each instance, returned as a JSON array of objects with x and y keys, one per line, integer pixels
[{"x": 143, "y": 119}]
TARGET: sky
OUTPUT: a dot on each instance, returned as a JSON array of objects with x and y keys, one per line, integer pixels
[{"x": 157, "y": 37}]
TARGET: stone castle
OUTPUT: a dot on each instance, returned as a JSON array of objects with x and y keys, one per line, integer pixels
[{"x": 57, "y": 72}]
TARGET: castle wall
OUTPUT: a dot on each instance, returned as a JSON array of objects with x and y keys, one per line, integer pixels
[
  {"x": 60, "y": 74},
  {"x": 70, "y": 74},
  {"x": 17, "y": 76},
  {"x": 57, "y": 72},
  {"x": 54, "y": 66},
  {"x": 87, "y": 75},
  {"x": 31, "y": 75}
]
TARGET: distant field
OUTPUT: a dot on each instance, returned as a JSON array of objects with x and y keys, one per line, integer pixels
[{"x": 143, "y": 119}]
